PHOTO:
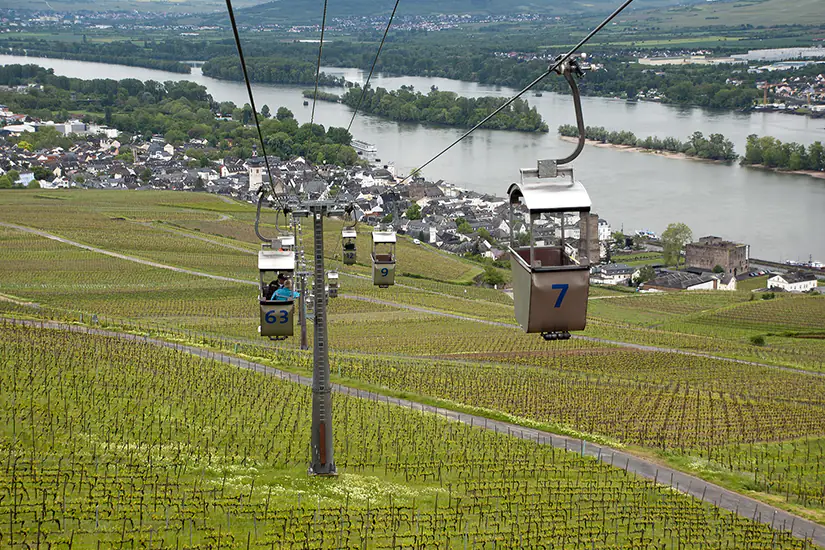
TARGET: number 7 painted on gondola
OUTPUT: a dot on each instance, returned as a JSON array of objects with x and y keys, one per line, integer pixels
[{"x": 562, "y": 294}]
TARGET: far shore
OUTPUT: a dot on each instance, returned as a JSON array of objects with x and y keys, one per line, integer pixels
[
  {"x": 811, "y": 173},
  {"x": 632, "y": 149}
]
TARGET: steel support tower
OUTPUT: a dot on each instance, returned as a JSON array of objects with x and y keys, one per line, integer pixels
[{"x": 322, "y": 455}]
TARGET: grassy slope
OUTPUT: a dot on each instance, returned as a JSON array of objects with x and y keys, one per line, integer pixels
[
  {"x": 87, "y": 282},
  {"x": 212, "y": 455}
]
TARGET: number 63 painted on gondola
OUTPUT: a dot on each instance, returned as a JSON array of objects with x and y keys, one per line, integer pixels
[{"x": 274, "y": 317}]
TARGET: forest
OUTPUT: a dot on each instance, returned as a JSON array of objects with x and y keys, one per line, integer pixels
[
  {"x": 120, "y": 52},
  {"x": 179, "y": 111},
  {"x": 458, "y": 56},
  {"x": 770, "y": 152},
  {"x": 455, "y": 54},
  {"x": 714, "y": 147},
  {"x": 445, "y": 109},
  {"x": 269, "y": 70}
]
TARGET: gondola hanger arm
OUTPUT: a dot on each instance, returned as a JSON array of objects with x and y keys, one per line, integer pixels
[{"x": 552, "y": 168}]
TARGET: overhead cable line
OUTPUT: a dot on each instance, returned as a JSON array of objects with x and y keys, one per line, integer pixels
[
  {"x": 252, "y": 104},
  {"x": 374, "y": 63},
  {"x": 558, "y": 62},
  {"x": 372, "y": 69},
  {"x": 318, "y": 67}
]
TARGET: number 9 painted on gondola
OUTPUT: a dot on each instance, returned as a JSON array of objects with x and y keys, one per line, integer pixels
[{"x": 384, "y": 271}]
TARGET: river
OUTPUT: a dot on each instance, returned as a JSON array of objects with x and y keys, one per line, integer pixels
[{"x": 781, "y": 216}]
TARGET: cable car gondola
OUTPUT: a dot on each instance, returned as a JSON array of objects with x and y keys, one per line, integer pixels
[
  {"x": 383, "y": 258},
  {"x": 277, "y": 310},
  {"x": 551, "y": 278},
  {"x": 332, "y": 284},
  {"x": 348, "y": 237}
]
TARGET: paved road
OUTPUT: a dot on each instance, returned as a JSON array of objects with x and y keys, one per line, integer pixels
[
  {"x": 627, "y": 345},
  {"x": 684, "y": 483}
]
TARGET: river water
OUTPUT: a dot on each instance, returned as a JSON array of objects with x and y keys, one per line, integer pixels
[{"x": 781, "y": 216}]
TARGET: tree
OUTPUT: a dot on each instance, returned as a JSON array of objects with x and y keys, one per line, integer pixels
[
  {"x": 265, "y": 111},
  {"x": 387, "y": 219},
  {"x": 645, "y": 274},
  {"x": 146, "y": 175},
  {"x": 674, "y": 238},
  {"x": 284, "y": 114},
  {"x": 34, "y": 184},
  {"x": 13, "y": 176},
  {"x": 492, "y": 276},
  {"x": 5, "y": 182},
  {"x": 42, "y": 173},
  {"x": 413, "y": 212},
  {"x": 464, "y": 228},
  {"x": 718, "y": 269},
  {"x": 25, "y": 145}
]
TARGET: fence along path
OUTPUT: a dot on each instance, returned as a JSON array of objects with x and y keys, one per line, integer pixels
[{"x": 680, "y": 481}]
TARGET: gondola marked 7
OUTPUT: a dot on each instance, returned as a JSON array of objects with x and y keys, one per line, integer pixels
[
  {"x": 562, "y": 294},
  {"x": 271, "y": 317}
]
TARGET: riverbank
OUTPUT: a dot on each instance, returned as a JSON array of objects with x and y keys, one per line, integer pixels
[
  {"x": 811, "y": 173},
  {"x": 633, "y": 149},
  {"x": 626, "y": 188}
]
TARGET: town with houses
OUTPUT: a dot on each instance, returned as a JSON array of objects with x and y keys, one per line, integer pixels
[
  {"x": 436, "y": 213},
  {"x": 20, "y": 20},
  {"x": 795, "y": 94}
]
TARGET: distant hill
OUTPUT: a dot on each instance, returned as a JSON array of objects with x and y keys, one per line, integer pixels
[
  {"x": 167, "y": 6},
  {"x": 301, "y": 10}
]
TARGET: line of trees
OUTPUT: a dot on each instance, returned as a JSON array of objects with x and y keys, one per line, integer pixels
[
  {"x": 117, "y": 51},
  {"x": 445, "y": 108},
  {"x": 322, "y": 96},
  {"x": 714, "y": 147},
  {"x": 270, "y": 70},
  {"x": 769, "y": 151}
]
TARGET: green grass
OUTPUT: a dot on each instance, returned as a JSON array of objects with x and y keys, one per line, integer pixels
[
  {"x": 200, "y": 458},
  {"x": 752, "y": 283},
  {"x": 734, "y": 13},
  {"x": 674, "y": 403}
]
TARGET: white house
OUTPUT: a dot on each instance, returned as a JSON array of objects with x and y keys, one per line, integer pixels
[
  {"x": 726, "y": 282},
  {"x": 612, "y": 274},
  {"x": 793, "y": 282},
  {"x": 604, "y": 230}
]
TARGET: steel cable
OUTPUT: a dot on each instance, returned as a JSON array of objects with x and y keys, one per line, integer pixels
[
  {"x": 556, "y": 64},
  {"x": 254, "y": 110}
]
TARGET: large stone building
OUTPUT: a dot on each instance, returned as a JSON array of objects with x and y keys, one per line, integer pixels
[{"x": 710, "y": 252}]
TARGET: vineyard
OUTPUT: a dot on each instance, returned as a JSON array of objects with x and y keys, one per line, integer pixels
[
  {"x": 98, "y": 453},
  {"x": 751, "y": 426}
]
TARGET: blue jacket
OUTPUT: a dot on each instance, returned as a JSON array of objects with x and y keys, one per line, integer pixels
[{"x": 283, "y": 294}]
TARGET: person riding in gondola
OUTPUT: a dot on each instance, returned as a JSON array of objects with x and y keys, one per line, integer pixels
[
  {"x": 275, "y": 285},
  {"x": 285, "y": 292}
]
